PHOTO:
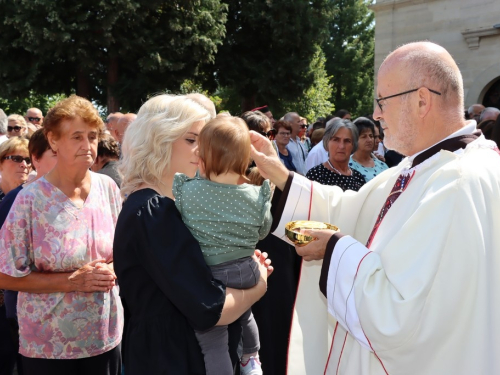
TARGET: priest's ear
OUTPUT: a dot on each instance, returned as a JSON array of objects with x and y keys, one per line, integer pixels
[{"x": 425, "y": 101}]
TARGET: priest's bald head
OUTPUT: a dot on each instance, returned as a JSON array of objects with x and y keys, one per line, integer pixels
[{"x": 419, "y": 97}]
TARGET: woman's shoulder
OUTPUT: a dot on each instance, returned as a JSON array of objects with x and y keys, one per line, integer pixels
[
  {"x": 357, "y": 174},
  {"x": 104, "y": 182},
  {"x": 379, "y": 163},
  {"x": 38, "y": 188},
  {"x": 317, "y": 170},
  {"x": 149, "y": 203}
]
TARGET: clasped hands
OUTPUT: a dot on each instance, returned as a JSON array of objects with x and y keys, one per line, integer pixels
[{"x": 96, "y": 276}]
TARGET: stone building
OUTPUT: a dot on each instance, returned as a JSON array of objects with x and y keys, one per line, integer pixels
[{"x": 468, "y": 29}]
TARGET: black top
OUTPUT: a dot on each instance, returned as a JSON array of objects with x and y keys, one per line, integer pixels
[
  {"x": 166, "y": 285},
  {"x": 6, "y": 202},
  {"x": 5, "y": 205},
  {"x": 325, "y": 176},
  {"x": 288, "y": 161}
]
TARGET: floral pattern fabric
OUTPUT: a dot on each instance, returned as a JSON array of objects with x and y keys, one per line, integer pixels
[{"x": 46, "y": 232}]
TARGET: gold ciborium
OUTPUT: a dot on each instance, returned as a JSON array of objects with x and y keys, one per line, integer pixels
[{"x": 292, "y": 230}]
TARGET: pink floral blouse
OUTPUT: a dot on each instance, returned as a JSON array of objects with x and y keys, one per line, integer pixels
[{"x": 46, "y": 232}]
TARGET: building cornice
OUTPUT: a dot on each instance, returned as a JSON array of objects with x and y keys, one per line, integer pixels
[
  {"x": 473, "y": 36},
  {"x": 387, "y": 4}
]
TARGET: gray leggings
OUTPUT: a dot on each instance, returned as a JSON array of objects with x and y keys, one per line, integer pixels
[{"x": 238, "y": 274}]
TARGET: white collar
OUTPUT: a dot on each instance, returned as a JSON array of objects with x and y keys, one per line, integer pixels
[{"x": 469, "y": 128}]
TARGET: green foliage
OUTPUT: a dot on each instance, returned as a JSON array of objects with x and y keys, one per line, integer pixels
[
  {"x": 20, "y": 105},
  {"x": 126, "y": 49},
  {"x": 268, "y": 49},
  {"x": 315, "y": 101},
  {"x": 349, "y": 52}
]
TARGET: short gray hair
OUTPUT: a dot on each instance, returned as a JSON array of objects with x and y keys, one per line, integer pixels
[{"x": 333, "y": 126}]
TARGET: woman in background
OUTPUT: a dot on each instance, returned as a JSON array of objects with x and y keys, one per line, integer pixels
[
  {"x": 363, "y": 159},
  {"x": 340, "y": 139},
  {"x": 63, "y": 221}
]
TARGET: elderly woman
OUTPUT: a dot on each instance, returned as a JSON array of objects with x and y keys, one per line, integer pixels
[
  {"x": 164, "y": 279},
  {"x": 59, "y": 223},
  {"x": 43, "y": 160},
  {"x": 363, "y": 159},
  {"x": 340, "y": 139},
  {"x": 16, "y": 126}
]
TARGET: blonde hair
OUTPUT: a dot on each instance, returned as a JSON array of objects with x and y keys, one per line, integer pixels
[
  {"x": 19, "y": 118},
  {"x": 147, "y": 144},
  {"x": 224, "y": 146},
  {"x": 13, "y": 144}
]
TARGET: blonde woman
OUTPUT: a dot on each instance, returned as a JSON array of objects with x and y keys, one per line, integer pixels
[
  {"x": 16, "y": 126},
  {"x": 164, "y": 279}
]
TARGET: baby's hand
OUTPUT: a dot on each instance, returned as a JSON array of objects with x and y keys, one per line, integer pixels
[{"x": 264, "y": 263}]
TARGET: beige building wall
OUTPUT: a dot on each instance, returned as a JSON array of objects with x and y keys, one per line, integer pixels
[{"x": 463, "y": 27}]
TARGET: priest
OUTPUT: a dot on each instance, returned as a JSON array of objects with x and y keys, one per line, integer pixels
[{"x": 410, "y": 280}]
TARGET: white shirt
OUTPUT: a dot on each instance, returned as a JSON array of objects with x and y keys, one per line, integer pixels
[{"x": 317, "y": 155}]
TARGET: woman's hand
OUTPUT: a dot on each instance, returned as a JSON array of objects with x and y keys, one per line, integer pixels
[
  {"x": 267, "y": 160},
  {"x": 96, "y": 276}
]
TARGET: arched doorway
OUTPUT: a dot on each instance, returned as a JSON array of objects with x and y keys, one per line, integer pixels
[
  {"x": 481, "y": 84},
  {"x": 492, "y": 96}
]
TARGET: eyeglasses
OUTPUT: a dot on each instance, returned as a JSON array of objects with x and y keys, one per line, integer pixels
[
  {"x": 287, "y": 134},
  {"x": 402, "y": 93},
  {"x": 34, "y": 119},
  {"x": 270, "y": 134},
  {"x": 18, "y": 159},
  {"x": 303, "y": 126},
  {"x": 17, "y": 129}
]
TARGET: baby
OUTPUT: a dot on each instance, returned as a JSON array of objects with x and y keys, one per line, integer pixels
[{"x": 228, "y": 217}]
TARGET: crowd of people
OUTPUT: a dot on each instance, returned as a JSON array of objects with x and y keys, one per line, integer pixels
[{"x": 128, "y": 245}]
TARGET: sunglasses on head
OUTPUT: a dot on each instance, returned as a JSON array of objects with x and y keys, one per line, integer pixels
[
  {"x": 34, "y": 118},
  {"x": 17, "y": 129},
  {"x": 270, "y": 134},
  {"x": 18, "y": 159}
]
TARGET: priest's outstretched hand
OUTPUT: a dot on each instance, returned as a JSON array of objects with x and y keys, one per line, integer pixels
[
  {"x": 315, "y": 250},
  {"x": 267, "y": 160}
]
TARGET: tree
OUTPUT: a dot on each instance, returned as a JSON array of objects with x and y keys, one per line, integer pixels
[
  {"x": 268, "y": 49},
  {"x": 114, "y": 53},
  {"x": 315, "y": 101},
  {"x": 349, "y": 52},
  {"x": 20, "y": 105}
]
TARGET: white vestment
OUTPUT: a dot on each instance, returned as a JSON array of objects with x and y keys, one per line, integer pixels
[{"x": 423, "y": 299}]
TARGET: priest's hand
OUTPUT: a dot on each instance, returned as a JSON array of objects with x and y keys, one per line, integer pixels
[
  {"x": 267, "y": 160},
  {"x": 315, "y": 250}
]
